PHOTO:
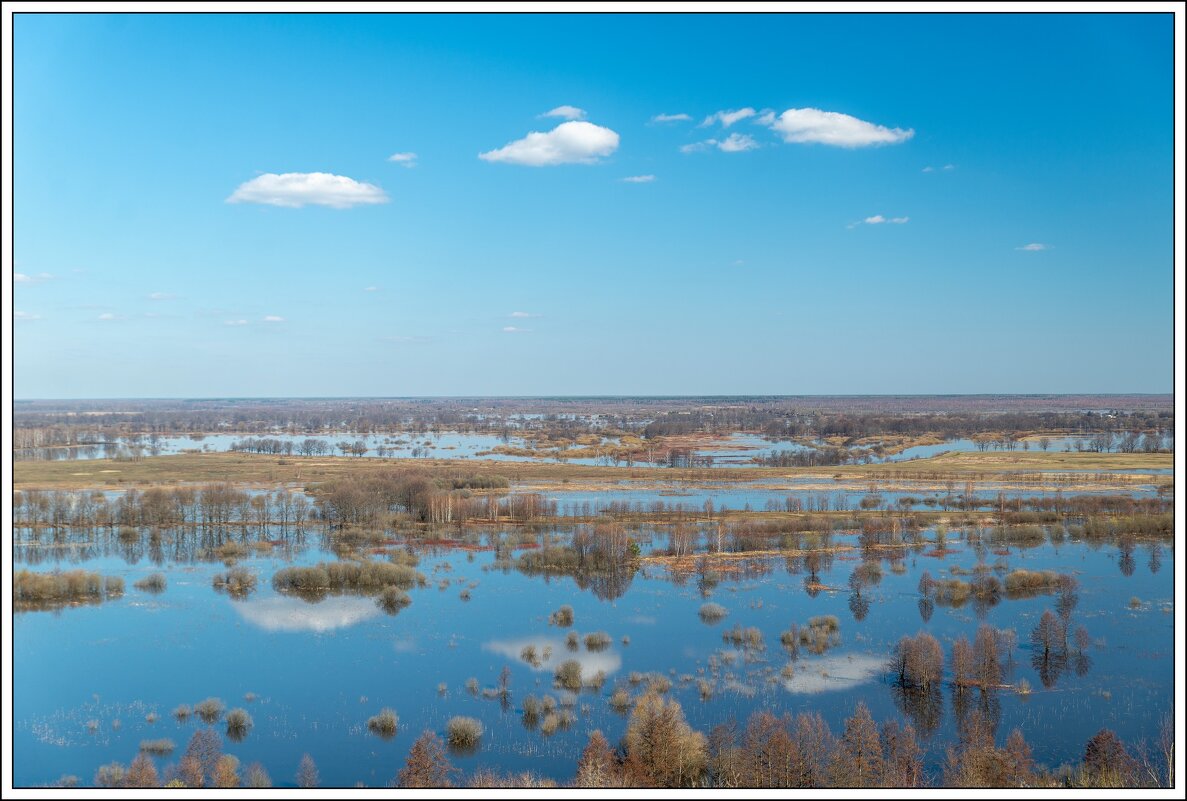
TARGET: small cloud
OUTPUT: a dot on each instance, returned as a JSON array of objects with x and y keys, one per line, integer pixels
[
  {"x": 273, "y": 318},
  {"x": 22, "y": 278},
  {"x": 879, "y": 219},
  {"x": 1034, "y": 247},
  {"x": 511, "y": 329},
  {"x": 20, "y": 315},
  {"x": 296, "y": 189},
  {"x": 734, "y": 143},
  {"x": 728, "y": 118},
  {"x": 235, "y": 322},
  {"x": 813, "y": 126},
  {"x": 671, "y": 118},
  {"x": 638, "y": 179},
  {"x": 370, "y": 289},
  {"x": 737, "y": 143},
  {"x": 161, "y": 296},
  {"x": 949, "y": 167},
  {"x": 738, "y": 262},
  {"x": 566, "y": 112},
  {"x": 108, "y": 317},
  {"x": 929, "y": 169},
  {"x": 522, "y": 315},
  {"x": 567, "y": 143},
  {"x": 403, "y": 159}
]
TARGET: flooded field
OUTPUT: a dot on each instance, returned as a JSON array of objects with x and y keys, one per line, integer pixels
[{"x": 111, "y": 674}]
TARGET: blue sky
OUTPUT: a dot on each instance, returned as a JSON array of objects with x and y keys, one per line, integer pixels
[{"x": 207, "y": 205}]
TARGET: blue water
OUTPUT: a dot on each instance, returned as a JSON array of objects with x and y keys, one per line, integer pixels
[{"x": 321, "y": 669}]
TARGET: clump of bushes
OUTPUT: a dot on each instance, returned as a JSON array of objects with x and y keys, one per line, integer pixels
[
  {"x": 562, "y": 617},
  {"x": 463, "y": 732},
  {"x": 1022, "y": 583},
  {"x": 597, "y": 641},
  {"x": 238, "y": 582},
  {"x": 568, "y": 675},
  {"x": 572, "y": 641},
  {"x": 749, "y": 637},
  {"x": 151, "y": 583},
  {"x": 238, "y": 723},
  {"x": 159, "y": 747},
  {"x": 329, "y": 577},
  {"x": 822, "y": 633},
  {"x": 182, "y": 713},
  {"x": 210, "y": 709},
  {"x": 392, "y": 600},
  {"x": 384, "y": 724},
  {"x": 30, "y": 590},
  {"x": 711, "y": 612},
  {"x": 531, "y": 656}
]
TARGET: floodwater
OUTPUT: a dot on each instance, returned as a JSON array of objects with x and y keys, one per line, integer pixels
[{"x": 318, "y": 670}]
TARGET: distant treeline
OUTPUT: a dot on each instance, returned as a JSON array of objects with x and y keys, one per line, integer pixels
[{"x": 39, "y": 424}]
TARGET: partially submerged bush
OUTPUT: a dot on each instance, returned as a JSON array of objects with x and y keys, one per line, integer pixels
[
  {"x": 392, "y": 600},
  {"x": 159, "y": 747},
  {"x": 182, "y": 713},
  {"x": 238, "y": 723},
  {"x": 32, "y": 590},
  {"x": 568, "y": 675},
  {"x": 572, "y": 641},
  {"x": 210, "y": 709},
  {"x": 384, "y": 724},
  {"x": 711, "y": 612},
  {"x": 238, "y": 582},
  {"x": 562, "y": 617},
  {"x": 463, "y": 732},
  {"x": 151, "y": 583},
  {"x": 597, "y": 641},
  {"x": 750, "y": 637},
  {"x": 1023, "y": 583},
  {"x": 327, "y": 577}
]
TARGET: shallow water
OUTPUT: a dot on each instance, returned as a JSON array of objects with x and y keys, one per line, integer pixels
[{"x": 321, "y": 669}]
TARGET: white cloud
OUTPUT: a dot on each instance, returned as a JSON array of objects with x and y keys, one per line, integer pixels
[
  {"x": 879, "y": 219},
  {"x": 108, "y": 317},
  {"x": 161, "y": 296},
  {"x": 371, "y": 289},
  {"x": 235, "y": 322},
  {"x": 737, "y": 143},
  {"x": 734, "y": 143},
  {"x": 638, "y": 179},
  {"x": 567, "y": 143},
  {"x": 1034, "y": 247},
  {"x": 522, "y": 315},
  {"x": 511, "y": 329},
  {"x": 728, "y": 118},
  {"x": 20, "y": 315},
  {"x": 949, "y": 167},
  {"x": 566, "y": 112},
  {"x": 929, "y": 169},
  {"x": 273, "y": 318},
  {"x": 671, "y": 118},
  {"x": 811, "y": 125},
  {"x": 297, "y": 189},
  {"x": 22, "y": 278},
  {"x": 403, "y": 159}
]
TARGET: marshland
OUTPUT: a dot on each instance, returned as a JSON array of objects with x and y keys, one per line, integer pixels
[{"x": 983, "y": 616}]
